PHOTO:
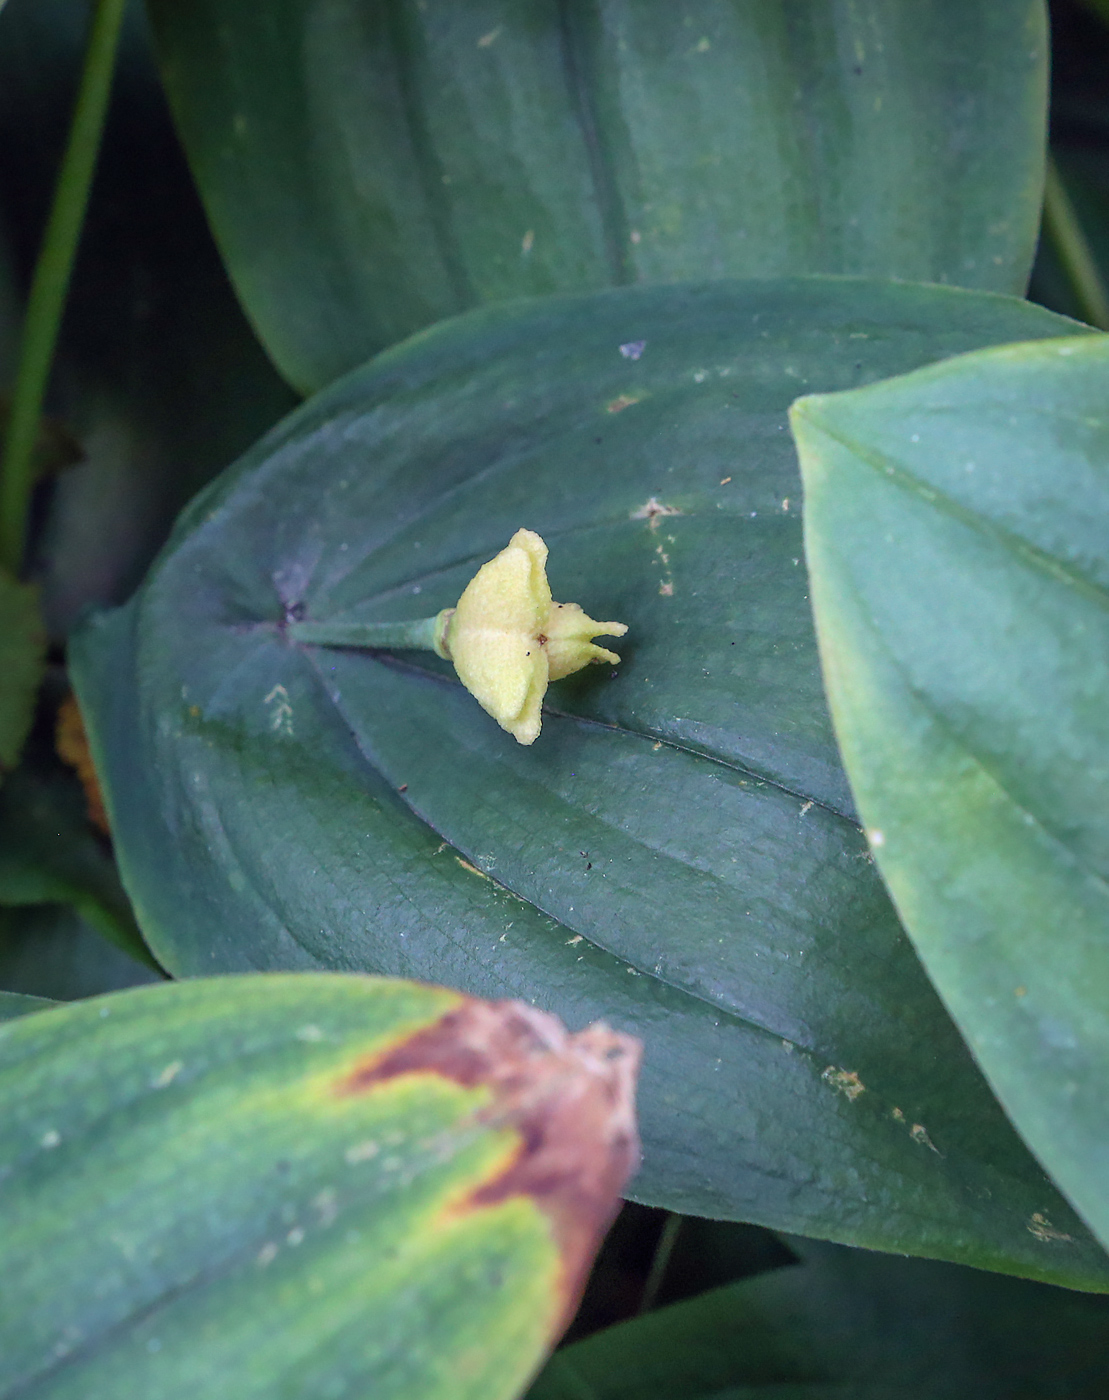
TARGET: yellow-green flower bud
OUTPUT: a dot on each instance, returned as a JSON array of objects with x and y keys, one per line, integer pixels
[{"x": 508, "y": 639}]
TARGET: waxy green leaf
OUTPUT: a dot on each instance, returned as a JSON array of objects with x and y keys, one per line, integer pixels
[
  {"x": 847, "y": 1325},
  {"x": 299, "y": 1185},
  {"x": 371, "y": 168},
  {"x": 677, "y": 853},
  {"x": 957, "y": 533}
]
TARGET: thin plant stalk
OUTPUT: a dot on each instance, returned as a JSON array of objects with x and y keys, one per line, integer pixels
[
  {"x": 1068, "y": 238},
  {"x": 50, "y": 284},
  {"x": 664, "y": 1250}
]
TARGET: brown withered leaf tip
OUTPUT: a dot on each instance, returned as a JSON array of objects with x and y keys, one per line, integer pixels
[
  {"x": 571, "y": 1098},
  {"x": 72, "y": 745}
]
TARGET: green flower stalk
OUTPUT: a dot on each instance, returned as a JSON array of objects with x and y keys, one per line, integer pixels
[{"x": 507, "y": 637}]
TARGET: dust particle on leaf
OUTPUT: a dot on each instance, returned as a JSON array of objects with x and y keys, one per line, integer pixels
[{"x": 847, "y": 1082}]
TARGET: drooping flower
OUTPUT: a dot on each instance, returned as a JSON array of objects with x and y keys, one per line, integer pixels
[{"x": 508, "y": 638}]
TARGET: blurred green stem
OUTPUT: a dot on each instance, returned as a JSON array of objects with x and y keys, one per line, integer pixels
[
  {"x": 51, "y": 280},
  {"x": 1063, "y": 229},
  {"x": 667, "y": 1239}
]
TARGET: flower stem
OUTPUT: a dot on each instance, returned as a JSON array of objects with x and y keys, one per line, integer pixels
[
  {"x": 51, "y": 280},
  {"x": 1064, "y": 229},
  {"x": 660, "y": 1263},
  {"x": 422, "y": 635}
]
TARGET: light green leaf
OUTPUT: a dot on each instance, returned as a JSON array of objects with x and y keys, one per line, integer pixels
[
  {"x": 677, "y": 853},
  {"x": 318, "y": 1186},
  {"x": 957, "y": 533},
  {"x": 371, "y": 168}
]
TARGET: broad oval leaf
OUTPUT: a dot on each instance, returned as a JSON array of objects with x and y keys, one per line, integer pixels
[
  {"x": 957, "y": 529},
  {"x": 371, "y": 168},
  {"x": 677, "y": 853},
  {"x": 299, "y": 1185}
]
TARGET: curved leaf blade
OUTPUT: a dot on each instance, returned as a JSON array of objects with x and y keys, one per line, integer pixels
[
  {"x": 50, "y": 855},
  {"x": 846, "y": 1325},
  {"x": 318, "y": 1185},
  {"x": 13, "y": 1004},
  {"x": 974, "y": 712},
  {"x": 370, "y": 168},
  {"x": 678, "y": 853}
]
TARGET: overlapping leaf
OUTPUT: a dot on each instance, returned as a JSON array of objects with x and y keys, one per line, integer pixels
[
  {"x": 844, "y": 1325},
  {"x": 13, "y": 1004},
  {"x": 678, "y": 853},
  {"x": 369, "y": 168},
  {"x": 49, "y": 854},
  {"x": 957, "y": 530},
  {"x": 298, "y": 1185}
]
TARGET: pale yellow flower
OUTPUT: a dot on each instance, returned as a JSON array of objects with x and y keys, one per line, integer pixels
[{"x": 508, "y": 638}]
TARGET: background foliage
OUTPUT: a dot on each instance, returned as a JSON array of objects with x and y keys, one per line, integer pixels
[{"x": 368, "y": 170}]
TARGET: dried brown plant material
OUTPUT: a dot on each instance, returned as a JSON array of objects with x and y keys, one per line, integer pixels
[
  {"x": 570, "y": 1099},
  {"x": 72, "y": 744}
]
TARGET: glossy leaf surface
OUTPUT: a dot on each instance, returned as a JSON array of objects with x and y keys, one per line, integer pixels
[
  {"x": 677, "y": 853},
  {"x": 298, "y": 1185},
  {"x": 957, "y": 529},
  {"x": 847, "y": 1325},
  {"x": 369, "y": 168}
]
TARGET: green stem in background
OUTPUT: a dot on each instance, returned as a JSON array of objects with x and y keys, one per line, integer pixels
[
  {"x": 664, "y": 1250},
  {"x": 1063, "y": 229},
  {"x": 51, "y": 280},
  {"x": 424, "y": 635}
]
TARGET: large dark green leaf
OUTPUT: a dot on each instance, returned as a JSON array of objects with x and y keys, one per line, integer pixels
[
  {"x": 371, "y": 167},
  {"x": 677, "y": 853},
  {"x": 846, "y": 1325},
  {"x": 302, "y": 1186},
  {"x": 957, "y": 529}
]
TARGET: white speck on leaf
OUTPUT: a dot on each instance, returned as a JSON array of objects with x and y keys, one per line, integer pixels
[{"x": 167, "y": 1075}]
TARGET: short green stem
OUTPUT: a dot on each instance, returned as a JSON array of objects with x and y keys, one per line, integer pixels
[
  {"x": 422, "y": 635},
  {"x": 51, "y": 280},
  {"x": 1066, "y": 234},
  {"x": 664, "y": 1251}
]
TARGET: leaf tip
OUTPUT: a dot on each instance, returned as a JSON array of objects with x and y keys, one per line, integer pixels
[{"x": 570, "y": 1098}]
